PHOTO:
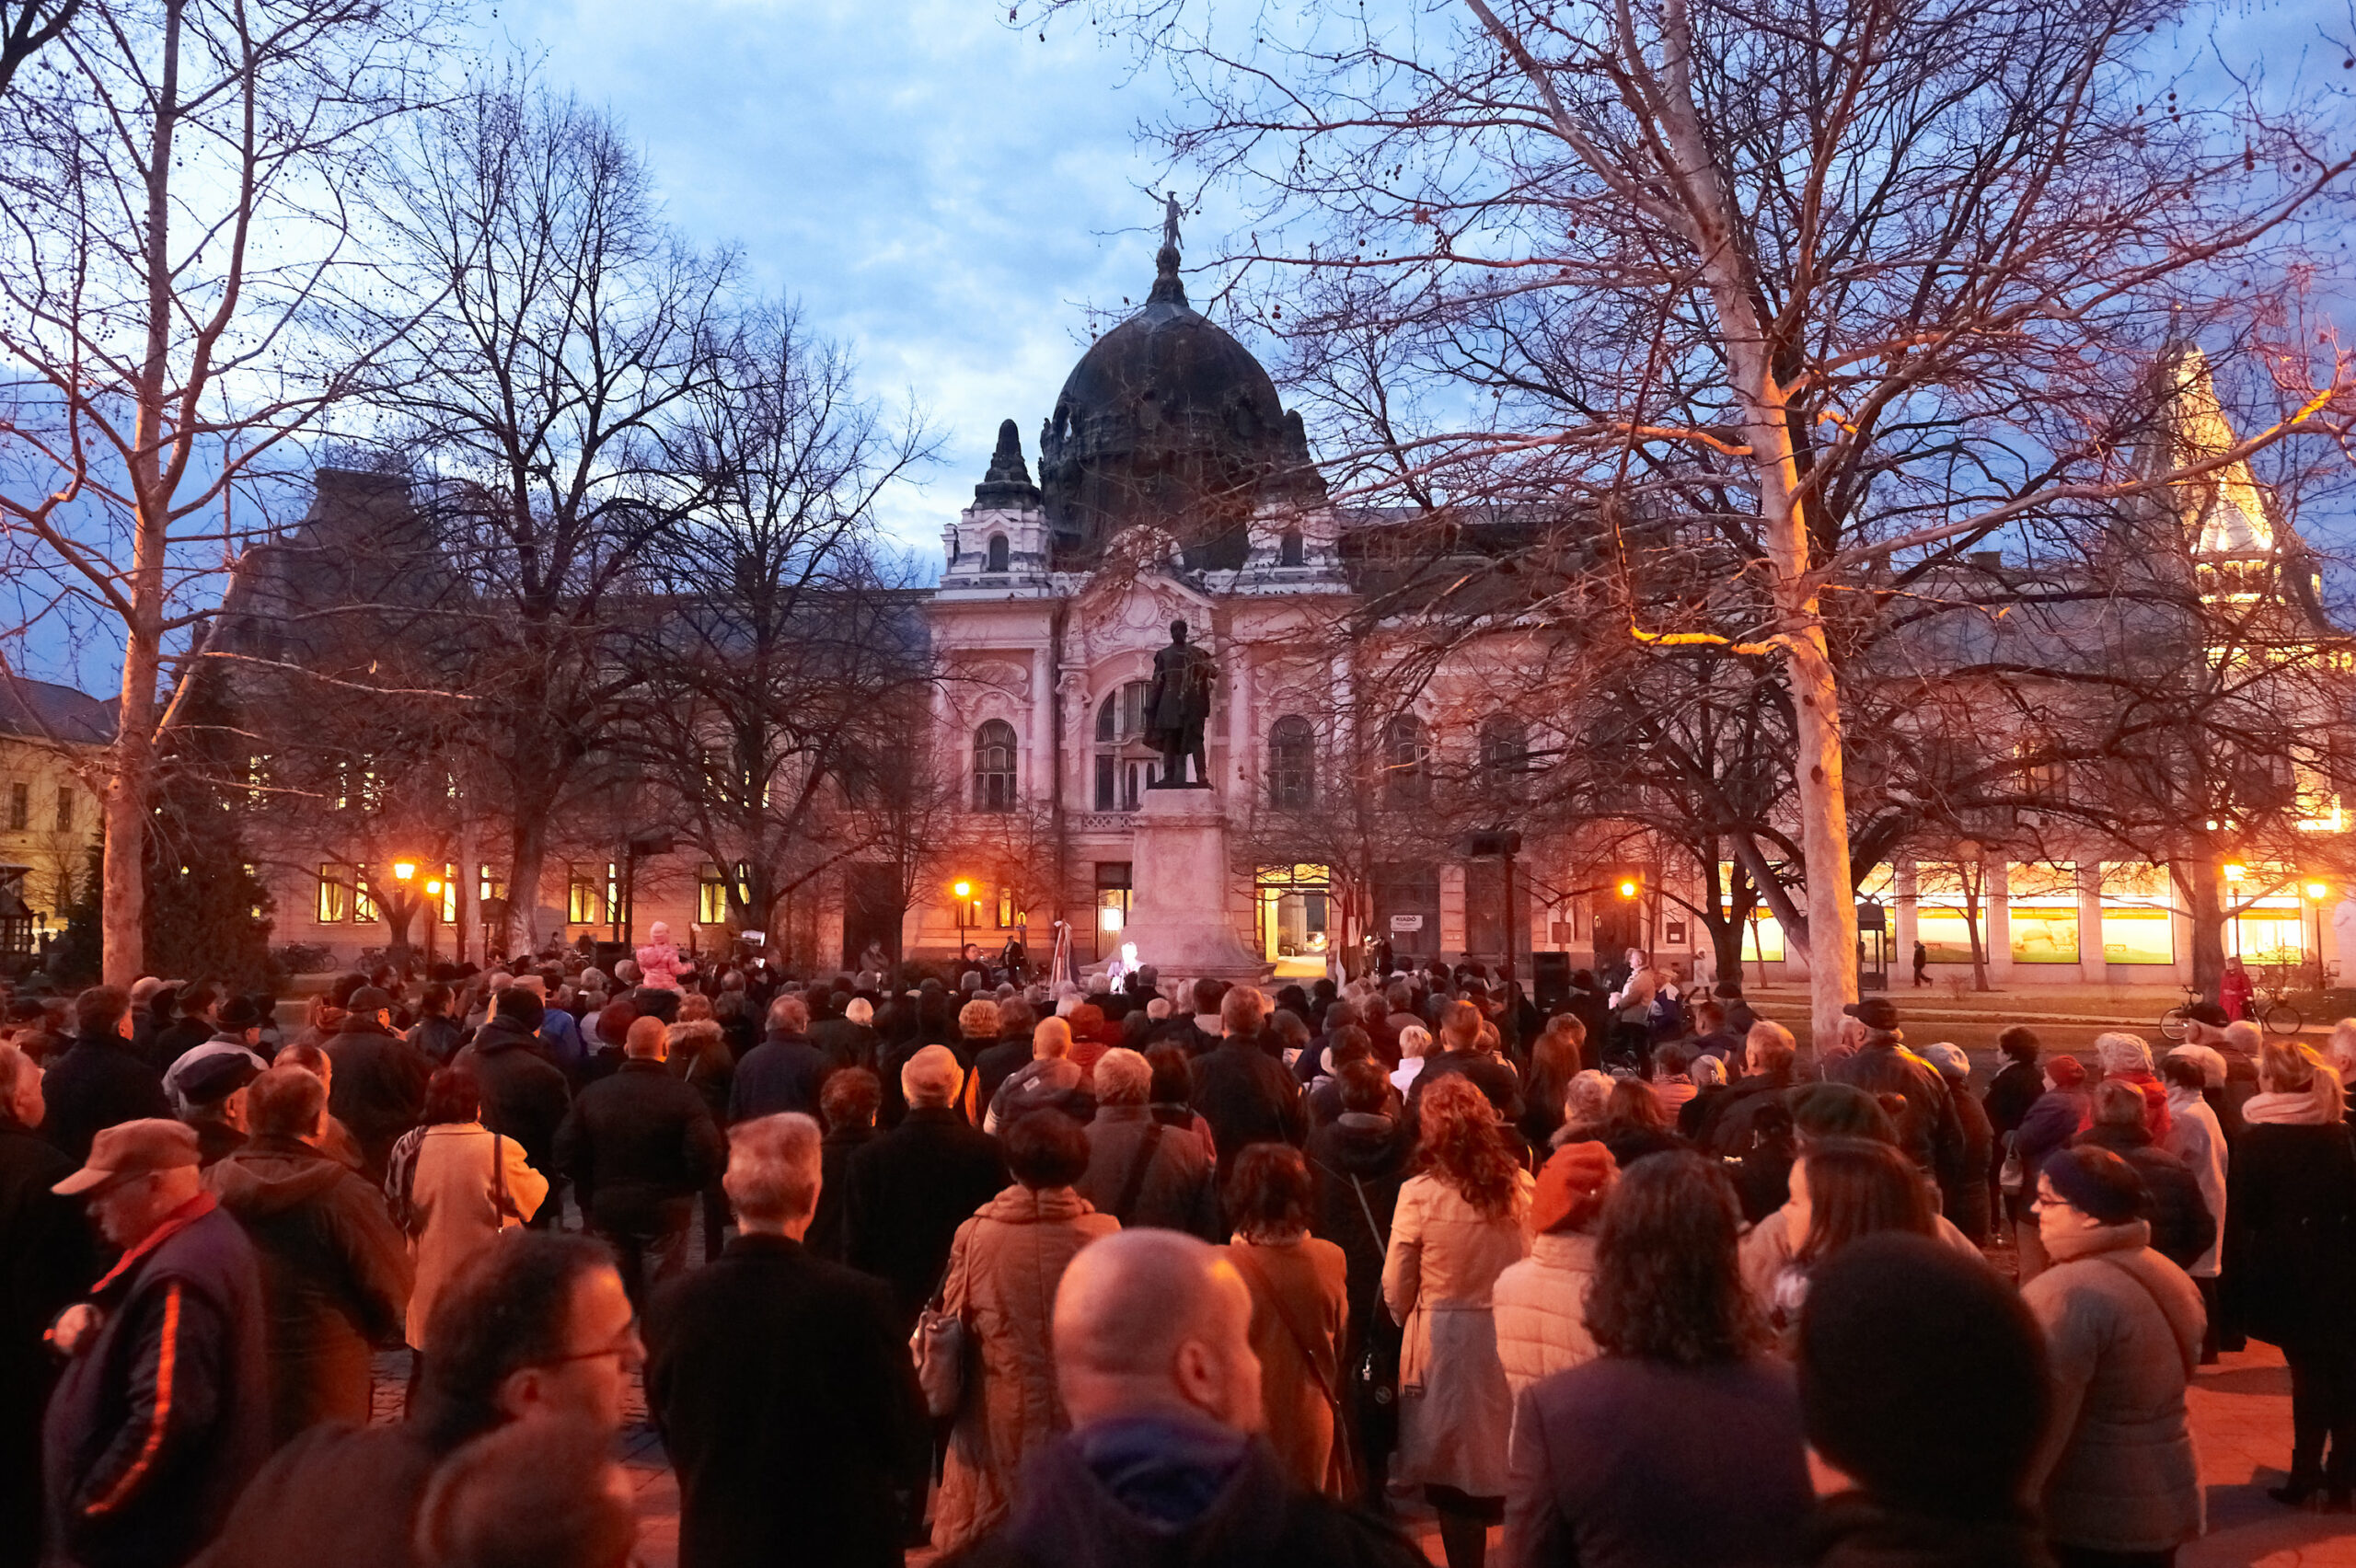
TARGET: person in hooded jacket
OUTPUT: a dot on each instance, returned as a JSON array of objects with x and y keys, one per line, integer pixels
[
  {"x": 2061, "y": 1113},
  {"x": 525, "y": 1096},
  {"x": 380, "y": 1079},
  {"x": 335, "y": 1271}
]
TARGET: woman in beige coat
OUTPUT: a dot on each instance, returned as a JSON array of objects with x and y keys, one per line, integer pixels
[
  {"x": 454, "y": 1185},
  {"x": 1301, "y": 1312},
  {"x": 1003, "y": 1270},
  {"x": 1459, "y": 1224}
]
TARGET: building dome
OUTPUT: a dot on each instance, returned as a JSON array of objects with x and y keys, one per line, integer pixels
[{"x": 1170, "y": 421}]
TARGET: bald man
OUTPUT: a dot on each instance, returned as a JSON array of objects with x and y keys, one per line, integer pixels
[{"x": 1153, "y": 1358}]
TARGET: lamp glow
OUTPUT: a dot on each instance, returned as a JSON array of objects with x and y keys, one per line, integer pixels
[
  {"x": 404, "y": 870},
  {"x": 962, "y": 889}
]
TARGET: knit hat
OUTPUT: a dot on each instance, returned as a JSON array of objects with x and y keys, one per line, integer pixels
[
  {"x": 1572, "y": 1187},
  {"x": 2212, "y": 1066},
  {"x": 2098, "y": 1185},
  {"x": 1948, "y": 1058},
  {"x": 2065, "y": 1071},
  {"x": 1897, "y": 1325}
]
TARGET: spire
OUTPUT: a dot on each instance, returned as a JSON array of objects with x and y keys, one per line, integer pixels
[
  {"x": 1167, "y": 289},
  {"x": 1007, "y": 483}
]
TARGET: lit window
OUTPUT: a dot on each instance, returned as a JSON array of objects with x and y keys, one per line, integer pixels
[{"x": 335, "y": 894}]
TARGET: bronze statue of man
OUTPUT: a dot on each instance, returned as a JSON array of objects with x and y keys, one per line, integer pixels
[{"x": 1177, "y": 706}]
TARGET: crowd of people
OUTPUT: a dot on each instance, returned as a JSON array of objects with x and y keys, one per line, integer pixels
[{"x": 1046, "y": 1274}]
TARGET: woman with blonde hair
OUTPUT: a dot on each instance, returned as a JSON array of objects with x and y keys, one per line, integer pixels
[
  {"x": 1461, "y": 1221},
  {"x": 2289, "y": 1257}
]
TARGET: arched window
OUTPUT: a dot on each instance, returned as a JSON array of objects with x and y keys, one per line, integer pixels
[
  {"x": 1404, "y": 782},
  {"x": 994, "y": 767},
  {"x": 997, "y": 561},
  {"x": 1505, "y": 754},
  {"x": 1125, "y": 767},
  {"x": 1289, "y": 550},
  {"x": 1292, "y": 764}
]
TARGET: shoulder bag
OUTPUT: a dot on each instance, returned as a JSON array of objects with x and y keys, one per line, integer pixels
[
  {"x": 1340, "y": 1465},
  {"x": 939, "y": 1347}
]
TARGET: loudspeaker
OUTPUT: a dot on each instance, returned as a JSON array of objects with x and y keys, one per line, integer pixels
[{"x": 1549, "y": 975}]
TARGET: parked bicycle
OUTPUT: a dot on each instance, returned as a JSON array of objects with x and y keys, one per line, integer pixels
[
  {"x": 2270, "y": 1009},
  {"x": 2176, "y": 1022}
]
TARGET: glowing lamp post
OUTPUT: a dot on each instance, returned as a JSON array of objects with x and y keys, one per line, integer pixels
[
  {"x": 2316, "y": 893},
  {"x": 965, "y": 892}
]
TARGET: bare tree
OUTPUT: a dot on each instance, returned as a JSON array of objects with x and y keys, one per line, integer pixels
[
  {"x": 182, "y": 258},
  {"x": 26, "y": 26},
  {"x": 776, "y": 660},
  {"x": 547, "y": 392},
  {"x": 1846, "y": 290}
]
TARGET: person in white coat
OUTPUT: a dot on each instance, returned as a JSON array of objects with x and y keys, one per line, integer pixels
[
  {"x": 1540, "y": 1302},
  {"x": 2197, "y": 1137}
]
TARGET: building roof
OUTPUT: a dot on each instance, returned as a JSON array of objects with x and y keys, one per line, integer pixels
[
  {"x": 43, "y": 710},
  {"x": 1168, "y": 421}
]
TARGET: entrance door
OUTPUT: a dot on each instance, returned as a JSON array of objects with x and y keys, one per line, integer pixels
[
  {"x": 1620, "y": 924},
  {"x": 871, "y": 911}
]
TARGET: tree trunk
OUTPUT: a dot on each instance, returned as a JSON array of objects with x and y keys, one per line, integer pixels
[
  {"x": 531, "y": 850},
  {"x": 2198, "y": 877}
]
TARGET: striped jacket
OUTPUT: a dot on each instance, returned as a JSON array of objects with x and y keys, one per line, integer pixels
[{"x": 163, "y": 1415}]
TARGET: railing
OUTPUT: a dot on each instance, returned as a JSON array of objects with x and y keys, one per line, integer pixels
[{"x": 1103, "y": 821}]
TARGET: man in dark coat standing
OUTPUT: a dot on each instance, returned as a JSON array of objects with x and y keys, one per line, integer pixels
[
  {"x": 99, "y": 1080},
  {"x": 163, "y": 1412},
  {"x": 1928, "y": 1131},
  {"x": 913, "y": 1187},
  {"x": 335, "y": 1270},
  {"x": 380, "y": 1079},
  {"x": 639, "y": 1146},
  {"x": 1245, "y": 1094},
  {"x": 788, "y": 1404},
  {"x": 525, "y": 1095},
  {"x": 782, "y": 1073},
  {"x": 47, "y": 1259}
]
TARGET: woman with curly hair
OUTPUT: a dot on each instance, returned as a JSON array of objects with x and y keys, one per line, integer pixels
[
  {"x": 1684, "y": 1372},
  {"x": 1463, "y": 1220}
]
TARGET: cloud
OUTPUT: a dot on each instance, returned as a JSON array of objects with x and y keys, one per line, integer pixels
[{"x": 943, "y": 194}]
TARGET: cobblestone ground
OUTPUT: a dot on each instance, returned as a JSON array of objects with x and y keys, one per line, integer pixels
[{"x": 2241, "y": 1420}]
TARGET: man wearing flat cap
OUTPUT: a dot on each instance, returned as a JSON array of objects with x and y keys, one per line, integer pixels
[
  {"x": 162, "y": 1414},
  {"x": 214, "y": 1097},
  {"x": 379, "y": 1088},
  {"x": 236, "y": 1032}
]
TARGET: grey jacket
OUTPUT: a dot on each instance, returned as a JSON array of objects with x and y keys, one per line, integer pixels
[
  {"x": 2122, "y": 1331},
  {"x": 1180, "y": 1186}
]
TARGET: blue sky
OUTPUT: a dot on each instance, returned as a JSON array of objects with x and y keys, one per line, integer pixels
[{"x": 946, "y": 196}]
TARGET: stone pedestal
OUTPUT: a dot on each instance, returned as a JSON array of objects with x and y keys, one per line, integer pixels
[{"x": 1178, "y": 874}]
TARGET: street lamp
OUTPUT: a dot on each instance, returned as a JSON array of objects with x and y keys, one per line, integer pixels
[
  {"x": 432, "y": 910},
  {"x": 2316, "y": 893},
  {"x": 965, "y": 892}
]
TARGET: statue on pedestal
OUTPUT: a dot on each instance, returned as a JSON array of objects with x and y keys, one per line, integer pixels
[{"x": 1177, "y": 706}]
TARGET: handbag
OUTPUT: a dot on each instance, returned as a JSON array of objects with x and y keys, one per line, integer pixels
[
  {"x": 939, "y": 1347},
  {"x": 2012, "y": 1177}
]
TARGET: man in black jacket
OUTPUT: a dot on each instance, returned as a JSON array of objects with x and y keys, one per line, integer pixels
[
  {"x": 1245, "y": 1094},
  {"x": 787, "y": 1404},
  {"x": 47, "y": 1259},
  {"x": 1154, "y": 1361},
  {"x": 99, "y": 1079},
  {"x": 525, "y": 1095},
  {"x": 784, "y": 1071},
  {"x": 913, "y": 1187},
  {"x": 380, "y": 1078},
  {"x": 1356, "y": 1164},
  {"x": 1928, "y": 1132},
  {"x": 639, "y": 1147}
]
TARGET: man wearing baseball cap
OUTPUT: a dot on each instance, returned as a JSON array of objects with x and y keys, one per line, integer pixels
[{"x": 162, "y": 1414}]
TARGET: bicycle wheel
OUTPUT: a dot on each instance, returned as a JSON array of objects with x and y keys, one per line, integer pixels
[
  {"x": 2174, "y": 1024},
  {"x": 2283, "y": 1018}
]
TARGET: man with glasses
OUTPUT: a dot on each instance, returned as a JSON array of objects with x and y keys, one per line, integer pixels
[
  {"x": 534, "y": 1327},
  {"x": 163, "y": 1412}
]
